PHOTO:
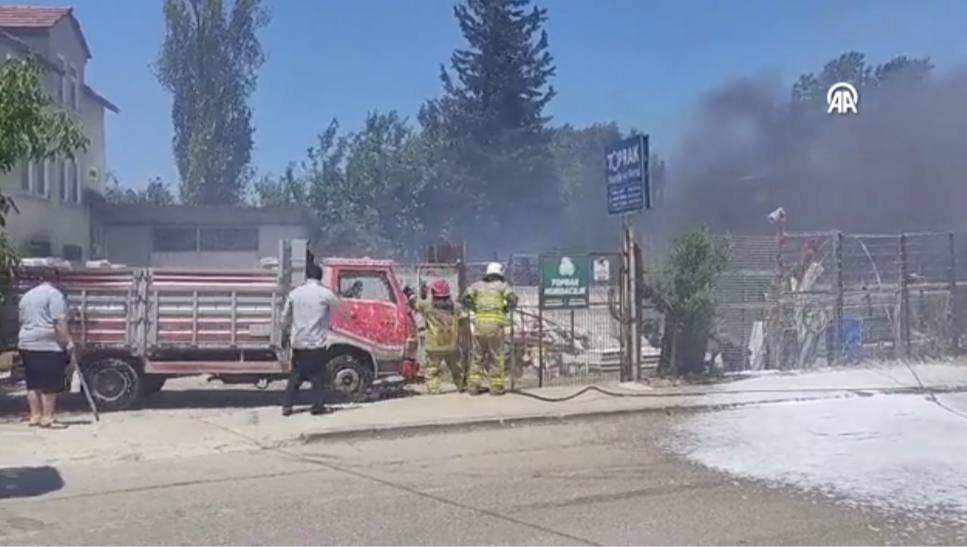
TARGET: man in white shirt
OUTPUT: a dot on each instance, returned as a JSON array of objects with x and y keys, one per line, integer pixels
[
  {"x": 306, "y": 313},
  {"x": 45, "y": 344}
]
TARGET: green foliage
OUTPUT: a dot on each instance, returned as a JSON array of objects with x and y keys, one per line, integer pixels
[
  {"x": 361, "y": 186},
  {"x": 32, "y": 128},
  {"x": 156, "y": 193},
  {"x": 686, "y": 298},
  {"x": 209, "y": 63},
  {"x": 577, "y": 154},
  {"x": 852, "y": 67},
  {"x": 493, "y": 122}
]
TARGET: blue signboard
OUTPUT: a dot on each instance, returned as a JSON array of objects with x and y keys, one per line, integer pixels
[{"x": 626, "y": 168}]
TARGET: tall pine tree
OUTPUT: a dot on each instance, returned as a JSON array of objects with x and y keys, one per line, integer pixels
[{"x": 494, "y": 112}]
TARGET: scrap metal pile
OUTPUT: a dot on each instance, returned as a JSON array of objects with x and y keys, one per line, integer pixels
[{"x": 531, "y": 334}]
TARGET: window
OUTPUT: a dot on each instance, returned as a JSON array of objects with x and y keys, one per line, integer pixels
[
  {"x": 74, "y": 183},
  {"x": 365, "y": 286},
  {"x": 62, "y": 82},
  {"x": 229, "y": 239},
  {"x": 170, "y": 240},
  {"x": 74, "y": 253},
  {"x": 63, "y": 168},
  {"x": 39, "y": 179},
  {"x": 25, "y": 177},
  {"x": 37, "y": 248},
  {"x": 74, "y": 90}
]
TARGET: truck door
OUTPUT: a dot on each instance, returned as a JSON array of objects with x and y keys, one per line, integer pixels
[{"x": 374, "y": 313}]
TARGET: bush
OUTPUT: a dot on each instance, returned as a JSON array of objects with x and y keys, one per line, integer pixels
[{"x": 685, "y": 296}]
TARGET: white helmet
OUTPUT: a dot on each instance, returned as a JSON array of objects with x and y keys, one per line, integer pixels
[{"x": 494, "y": 268}]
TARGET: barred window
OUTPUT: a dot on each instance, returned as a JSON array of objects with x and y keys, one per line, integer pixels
[
  {"x": 229, "y": 239},
  {"x": 74, "y": 253},
  {"x": 37, "y": 248},
  {"x": 175, "y": 239}
]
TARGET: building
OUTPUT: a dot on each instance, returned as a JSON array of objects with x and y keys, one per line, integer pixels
[
  {"x": 54, "y": 197},
  {"x": 206, "y": 237}
]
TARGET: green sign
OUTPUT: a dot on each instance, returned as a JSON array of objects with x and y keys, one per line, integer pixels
[{"x": 565, "y": 282}]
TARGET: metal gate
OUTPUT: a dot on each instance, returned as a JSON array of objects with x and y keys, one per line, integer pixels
[{"x": 570, "y": 334}]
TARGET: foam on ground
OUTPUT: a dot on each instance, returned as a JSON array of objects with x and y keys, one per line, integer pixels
[{"x": 900, "y": 453}]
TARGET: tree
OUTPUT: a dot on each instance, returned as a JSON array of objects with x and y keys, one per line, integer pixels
[
  {"x": 209, "y": 63},
  {"x": 32, "y": 128},
  {"x": 363, "y": 187},
  {"x": 852, "y": 67},
  {"x": 494, "y": 120},
  {"x": 685, "y": 296},
  {"x": 578, "y": 156},
  {"x": 156, "y": 193}
]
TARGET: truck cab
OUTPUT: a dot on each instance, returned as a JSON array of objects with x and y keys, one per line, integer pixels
[{"x": 377, "y": 322}]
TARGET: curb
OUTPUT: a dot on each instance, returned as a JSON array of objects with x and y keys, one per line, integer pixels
[
  {"x": 495, "y": 422},
  {"x": 390, "y": 432}
]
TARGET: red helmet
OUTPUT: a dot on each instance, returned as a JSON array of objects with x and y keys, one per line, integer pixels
[{"x": 440, "y": 289}]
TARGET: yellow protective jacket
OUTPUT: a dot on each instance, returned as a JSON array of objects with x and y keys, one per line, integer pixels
[
  {"x": 490, "y": 300},
  {"x": 442, "y": 332}
]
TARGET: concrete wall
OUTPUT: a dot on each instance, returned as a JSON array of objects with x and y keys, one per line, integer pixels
[{"x": 133, "y": 245}]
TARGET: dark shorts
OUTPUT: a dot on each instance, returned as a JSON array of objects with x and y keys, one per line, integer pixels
[{"x": 45, "y": 371}]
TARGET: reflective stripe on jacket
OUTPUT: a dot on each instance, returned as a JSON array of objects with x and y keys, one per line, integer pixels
[{"x": 489, "y": 300}]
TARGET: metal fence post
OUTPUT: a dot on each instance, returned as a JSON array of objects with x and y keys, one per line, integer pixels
[
  {"x": 839, "y": 303},
  {"x": 637, "y": 307},
  {"x": 540, "y": 331},
  {"x": 904, "y": 297},
  {"x": 953, "y": 318}
]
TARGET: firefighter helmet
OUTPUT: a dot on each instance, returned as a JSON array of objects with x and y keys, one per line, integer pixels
[{"x": 440, "y": 289}]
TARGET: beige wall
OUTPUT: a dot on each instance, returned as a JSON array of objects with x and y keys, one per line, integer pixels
[
  {"x": 45, "y": 215},
  {"x": 132, "y": 245}
]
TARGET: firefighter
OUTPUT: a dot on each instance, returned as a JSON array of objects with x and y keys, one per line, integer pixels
[
  {"x": 441, "y": 315},
  {"x": 489, "y": 301}
]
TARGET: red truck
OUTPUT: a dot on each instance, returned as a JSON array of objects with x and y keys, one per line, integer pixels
[{"x": 135, "y": 328}]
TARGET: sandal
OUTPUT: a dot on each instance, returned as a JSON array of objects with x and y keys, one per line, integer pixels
[
  {"x": 33, "y": 423},
  {"x": 52, "y": 425}
]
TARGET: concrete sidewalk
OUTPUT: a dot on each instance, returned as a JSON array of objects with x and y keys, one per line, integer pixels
[{"x": 160, "y": 434}]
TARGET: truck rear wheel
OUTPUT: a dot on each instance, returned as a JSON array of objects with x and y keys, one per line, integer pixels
[
  {"x": 114, "y": 383},
  {"x": 348, "y": 375}
]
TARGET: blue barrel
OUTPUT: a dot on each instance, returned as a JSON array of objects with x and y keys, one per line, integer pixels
[{"x": 851, "y": 339}]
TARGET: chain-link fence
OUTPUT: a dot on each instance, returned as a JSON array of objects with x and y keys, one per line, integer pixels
[
  {"x": 552, "y": 347},
  {"x": 803, "y": 300}
]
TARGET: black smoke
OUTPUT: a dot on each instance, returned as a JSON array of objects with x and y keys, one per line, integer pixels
[{"x": 898, "y": 165}]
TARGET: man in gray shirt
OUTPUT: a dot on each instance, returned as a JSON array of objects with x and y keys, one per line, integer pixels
[
  {"x": 45, "y": 344},
  {"x": 306, "y": 314}
]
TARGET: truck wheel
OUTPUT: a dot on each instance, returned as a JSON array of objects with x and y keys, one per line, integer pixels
[
  {"x": 151, "y": 384},
  {"x": 114, "y": 383},
  {"x": 348, "y": 375}
]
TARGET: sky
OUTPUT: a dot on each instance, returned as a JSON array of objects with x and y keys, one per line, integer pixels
[{"x": 642, "y": 63}]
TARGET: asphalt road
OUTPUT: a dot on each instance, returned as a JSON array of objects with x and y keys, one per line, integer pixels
[{"x": 587, "y": 483}]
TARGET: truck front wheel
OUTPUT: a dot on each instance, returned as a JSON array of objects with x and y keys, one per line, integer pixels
[
  {"x": 350, "y": 376},
  {"x": 114, "y": 383}
]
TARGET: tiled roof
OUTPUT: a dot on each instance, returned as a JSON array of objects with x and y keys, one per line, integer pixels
[{"x": 31, "y": 16}]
